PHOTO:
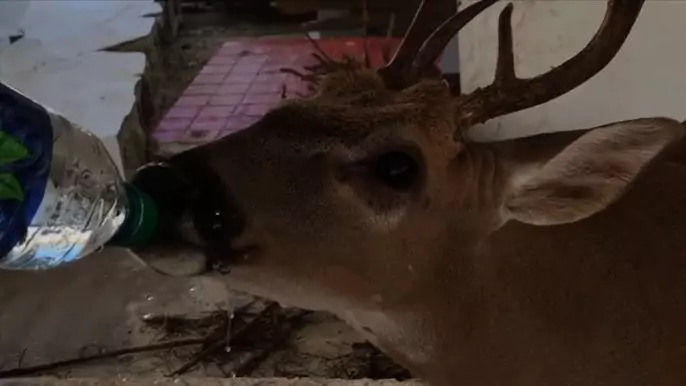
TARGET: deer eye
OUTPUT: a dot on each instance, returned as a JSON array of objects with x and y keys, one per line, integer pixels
[{"x": 397, "y": 170}]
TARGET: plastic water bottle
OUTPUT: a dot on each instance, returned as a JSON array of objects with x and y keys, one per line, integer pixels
[{"x": 61, "y": 194}]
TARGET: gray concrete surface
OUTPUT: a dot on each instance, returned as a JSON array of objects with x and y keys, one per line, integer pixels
[
  {"x": 100, "y": 303},
  {"x": 201, "y": 382}
]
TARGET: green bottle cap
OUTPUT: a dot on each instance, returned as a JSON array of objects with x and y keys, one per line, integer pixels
[{"x": 141, "y": 222}]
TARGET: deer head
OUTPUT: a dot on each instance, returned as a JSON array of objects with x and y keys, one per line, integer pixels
[{"x": 368, "y": 199}]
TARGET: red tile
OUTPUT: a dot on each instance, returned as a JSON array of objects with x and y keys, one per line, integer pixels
[
  {"x": 167, "y": 136},
  {"x": 288, "y": 59},
  {"x": 193, "y": 100},
  {"x": 209, "y": 79},
  {"x": 200, "y": 136},
  {"x": 200, "y": 124},
  {"x": 263, "y": 49},
  {"x": 225, "y": 133},
  {"x": 264, "y": 87},
  {"x": 226, "y": 100},
  {"x": 239, "y": 78},
  {"x": 238, "y": 88},
  {"x": 262, "y": 98},
  {"x": 250, "y": 68},
  {"x": 236, "y": 125},
  {"x": 212, "y": 69},
  {"x": 271, "y": 69},
  {"x": 201, "y": 89},
  {"x": 232, "y": 48},
  {"x": 273, "y": 78},
  {"x": 223, "y": 60},
  {"x": 258, "y": 110},
  {"x": 252, "y": 60},
  {"x": 174, "y": 124},
  {"x": 277, "y": 60},
  {"x": 218, "y": 100},
  {"x": 216, "y": 112},
  {"x": 182, "y": 112}
]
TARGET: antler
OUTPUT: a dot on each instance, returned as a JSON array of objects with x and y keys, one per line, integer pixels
[
  {"x": 396, "y": 73},
  {"x": 509, "y": 94},
  {"x": 435, "y": 44}
]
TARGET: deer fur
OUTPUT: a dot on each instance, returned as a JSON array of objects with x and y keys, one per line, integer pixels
[{"x": 547, "y": 260}]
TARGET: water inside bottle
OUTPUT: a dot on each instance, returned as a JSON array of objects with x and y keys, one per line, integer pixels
[
  {"x": 72, "y": 196},
  {"x": 82, "y": 207}
]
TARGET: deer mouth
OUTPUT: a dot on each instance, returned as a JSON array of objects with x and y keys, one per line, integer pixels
[{"x": 198, "y": 221}]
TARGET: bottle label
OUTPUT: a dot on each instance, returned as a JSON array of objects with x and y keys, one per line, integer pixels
[{"x": 26, "y": 139}]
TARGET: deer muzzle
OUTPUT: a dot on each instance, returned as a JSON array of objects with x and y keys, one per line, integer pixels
[{"x": 197, "y": 221}]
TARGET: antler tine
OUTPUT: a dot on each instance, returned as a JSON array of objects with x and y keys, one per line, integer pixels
[
  {"x": 428, "y": 14},
  {"x": 509, "y": 94},
  {"x": 504, "y": 70},
  {"x": 439, "y": 39}
]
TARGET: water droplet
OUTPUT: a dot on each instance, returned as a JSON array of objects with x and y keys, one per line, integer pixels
[
  {"x": 227, "y": 348},
  {"x": 193, "y": 289},
  {"x": 177, "y": 380},
  {"x": 148, "y": 316},
  {"x": 149, "y": 297}
]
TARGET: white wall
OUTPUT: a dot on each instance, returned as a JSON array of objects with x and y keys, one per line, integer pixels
[
  {"x": 646, "y": 78},
  {"x": 60, "y": 61}
]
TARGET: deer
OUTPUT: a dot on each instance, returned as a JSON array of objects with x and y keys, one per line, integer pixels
[{"x": 551, "y": 259}]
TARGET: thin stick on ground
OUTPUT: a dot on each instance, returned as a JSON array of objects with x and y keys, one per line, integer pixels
[
  {"x": 305, "y": 77},
  {"x": 253, "y": 358},
  {"x": 38, "y": 369},
  {"x": 223, "y": 342},
  {"x": 198, "y": 358}
]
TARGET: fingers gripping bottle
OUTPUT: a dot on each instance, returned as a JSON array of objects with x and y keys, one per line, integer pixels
[{"x": 61, "y": 194}]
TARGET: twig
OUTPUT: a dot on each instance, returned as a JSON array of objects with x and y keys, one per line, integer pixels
[
  {"x": 300, "y": 75},
  {"x": 284, "y": 91},
  {"x": 198, "y": 357},
  {"x": 318, "y": 48},
  {"x": 225, "y": 341},
  {"x": 255, "y": 357},
  {"x": 20, "y": 362},
  {"x": 32, "y": 370}
]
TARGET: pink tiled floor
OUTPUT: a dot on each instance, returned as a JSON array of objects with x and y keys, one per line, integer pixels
[{"x": 242, "y": 82}]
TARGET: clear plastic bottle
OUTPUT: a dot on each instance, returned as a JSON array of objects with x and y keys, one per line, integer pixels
[{"x": 61, "y": 195}]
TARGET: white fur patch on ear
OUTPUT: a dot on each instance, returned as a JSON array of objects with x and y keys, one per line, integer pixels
[{"x": 590, "y": 173}]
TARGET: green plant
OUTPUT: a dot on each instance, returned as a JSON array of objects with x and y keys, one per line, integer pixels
[{"x": 11, "y": 150}]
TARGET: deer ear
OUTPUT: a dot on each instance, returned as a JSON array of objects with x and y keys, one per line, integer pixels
[{"x": 588, "y": 174}]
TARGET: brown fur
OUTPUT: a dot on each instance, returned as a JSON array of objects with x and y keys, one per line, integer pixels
[{"x": 550, "y": 260}]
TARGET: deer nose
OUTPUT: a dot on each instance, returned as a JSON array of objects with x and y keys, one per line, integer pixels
[{"x": 195, "y": 212}]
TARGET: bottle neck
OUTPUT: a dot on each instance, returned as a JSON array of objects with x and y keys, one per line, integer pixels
[{"x": 141, "y": 221}]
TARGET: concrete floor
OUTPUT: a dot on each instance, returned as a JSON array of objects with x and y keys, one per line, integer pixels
[
  {"x": 100, "y": 304},
  {"x": 204, "y": 382},
  {"x": 99, "y": 301}
]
